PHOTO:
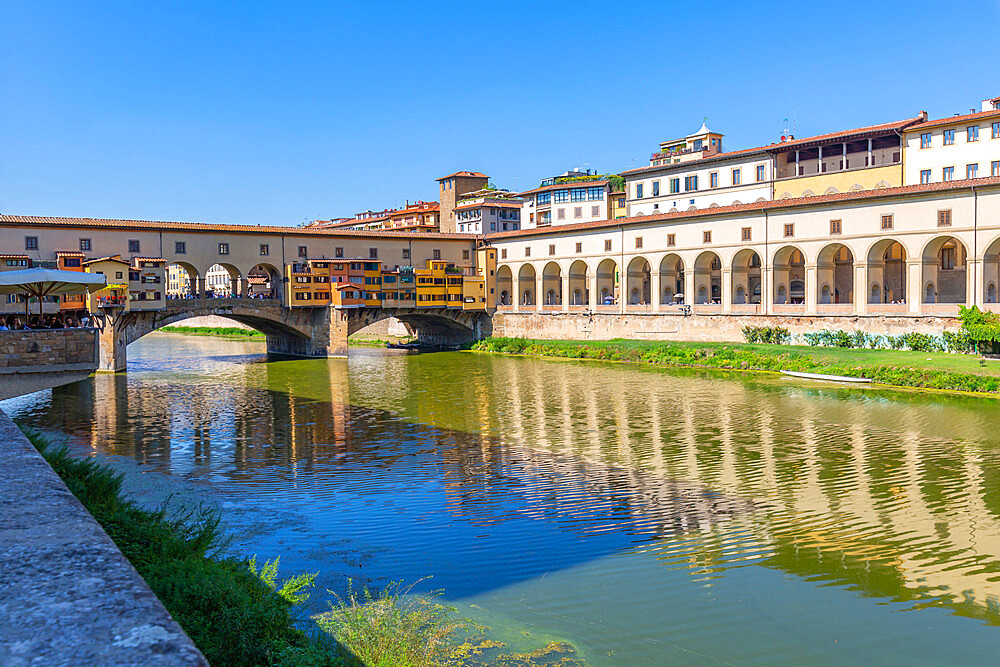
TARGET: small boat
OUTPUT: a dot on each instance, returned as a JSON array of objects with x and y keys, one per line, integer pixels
[
  {"x": 414, "y": 345},
  {"x": 829, "y": 378}
]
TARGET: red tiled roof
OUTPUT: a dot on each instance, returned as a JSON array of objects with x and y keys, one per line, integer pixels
[
  {"x": 68, "y": 253},
  {"x": 489, "y": 204},
  {"x": 112, "y": 258},
  {"x": 148, "y": 259},
  {"x": 954, "y": 119},
  {"x": 11, "y": 256},
  {"x": 563, "y": 186},
  {"x": 882, "y": 193},
  {"x": 468, "y": 174},
  {"x": 844, "y": 134},
  {"x": 151, "y": 225}
]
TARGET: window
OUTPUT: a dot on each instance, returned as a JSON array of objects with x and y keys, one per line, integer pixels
[
  {"x": 544, "y": 199},
  {"x": 949, "y": 137},
  {"x": 180, "y": 248},
  {"x": 638, "y": 241},
  {"x": 638, "y": 190},
  {"x": 948, "y": 258},
  {"x": 944, "y": 218},
  {"x": 223, "y": 248},
  {"x": 948, "y": 173},
  {"x": 621, "y": 202},
  {"x": 706, "y": 237},
  {"x": 594, "y": 194},
  {"x": 561, "y": 196},
  {"x": 579, "y": 247},
  {"x": 607, "y": 245},
  {"x": 736, "y": 177},
  {"x": 85, "y": 245},
  {"x": 925, "y": 175},
  {"x": 527, "y": 252},
  {"x": 503, "y": 253},
  {"x": 406, "y": 253},
  {"x": 886, "y": 222},
  {"x": 972, "y": 133},
  {"x": 465, "y": 254},
  {"x": 373, "y": 253},
  {"x": 925, "y": 140},
  {"x": 835, "y": 226},
  {"x": 118, "y": 275},
  {"x": 656, "y": 188},
  {"x": 746, "y": 234},
  {"x": 577, "y": 211},
  {"x": 713, "y": 179},
  {"x": 760, "y": 173},
  {"x": 595, "y": 211},
  {"x": 578, "y": 194},
  {"x": 31, "y": 243},
  {"x": 995, "y": 168},
  {"x": 436, "y": 253},
  {"x": 303, "y": 251},
  {"x": 560, "y": 214},
  {"x": 339, "y": 252},
  {"x": 671, "y": 240},
  {"x": 265, "y": 250},
  {"x": 971, "y": 170},
  {"x": 675, "y": 185},
  {"x": 133, "y": 245},
  {"x": 544, "y": 218},
  {"x": 789, "y": 230},
  {"x": 690, "y": 183},
  {"x": 552, "y": 249}
]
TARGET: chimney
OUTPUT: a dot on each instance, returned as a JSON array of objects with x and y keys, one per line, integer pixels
[{"x": 922, "y": 116}]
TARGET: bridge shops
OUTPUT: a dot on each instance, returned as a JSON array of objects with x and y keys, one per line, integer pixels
[{"x": 913, "y": 251}]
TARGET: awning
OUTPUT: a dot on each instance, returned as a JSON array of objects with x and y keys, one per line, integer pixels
[{"x": 40, "y": 283}]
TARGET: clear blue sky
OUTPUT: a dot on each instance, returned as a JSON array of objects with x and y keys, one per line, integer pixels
[{"x": 275, "y": 113}]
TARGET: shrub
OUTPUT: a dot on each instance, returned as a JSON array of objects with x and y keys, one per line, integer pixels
[{"x": 767, "y": 335}]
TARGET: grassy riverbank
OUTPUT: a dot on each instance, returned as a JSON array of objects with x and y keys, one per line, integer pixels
[
  {"x": 931, "y": 370},
  {"x": 227, "y": 332},
  {"x": 238, "y": 613}
]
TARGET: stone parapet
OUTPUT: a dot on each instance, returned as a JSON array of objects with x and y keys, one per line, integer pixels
[
  {"x": 69, "y": 595},
  {"x": 34, "y": 360}
]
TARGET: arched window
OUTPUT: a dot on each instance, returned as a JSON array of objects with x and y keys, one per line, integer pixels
[
  {"x": 741, "y": 295},
  {"x": 577, "y": 297},
  {"x": 929, "y": 293},
  {"x": 634, "y": 296},
  {"x": 550, "y": 297},
  {"x": 876, "y": 293},
  {"x": 782, "y": 294},
  {"x": 505, "y": 298},
  {"x": 824, "y": 296},
  {"x": 991, "y": 293},
  {"x": 702, "y": 295}
]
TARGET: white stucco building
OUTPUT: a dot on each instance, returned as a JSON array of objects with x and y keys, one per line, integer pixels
[
  {"x": 488, "y": 211},
  {"x": 949, "y": 149},
  {"x": 572, "y": 197}
]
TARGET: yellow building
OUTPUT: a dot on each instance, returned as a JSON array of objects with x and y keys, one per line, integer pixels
[
  {"x": 115, "y": 295},
  {"x": 373, "y": 283},
  {"x": 308, "y": 283},
  {"x": 147, "y": 283},
  {"x": 431, "y": 290}
]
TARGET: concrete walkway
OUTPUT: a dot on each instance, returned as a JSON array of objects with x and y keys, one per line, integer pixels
[{"x": 67, "y": 594}]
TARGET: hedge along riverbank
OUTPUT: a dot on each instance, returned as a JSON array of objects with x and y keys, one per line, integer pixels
[{"x": 743, "y": 357}]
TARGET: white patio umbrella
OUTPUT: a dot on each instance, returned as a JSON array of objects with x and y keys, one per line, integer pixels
[{"x": 47, "y": 282}]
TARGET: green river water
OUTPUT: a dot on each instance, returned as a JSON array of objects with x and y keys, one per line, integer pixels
[{"x": 645, "y": 516}]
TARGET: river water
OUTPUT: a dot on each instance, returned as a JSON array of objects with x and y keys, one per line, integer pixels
[{"x": 646, "y": 516}]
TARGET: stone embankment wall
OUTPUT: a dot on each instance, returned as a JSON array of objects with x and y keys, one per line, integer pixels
[
  {"x": 35, "y": 360},
  {"x": 69, "y": 595},
  {"x": 726, "y": 328}
]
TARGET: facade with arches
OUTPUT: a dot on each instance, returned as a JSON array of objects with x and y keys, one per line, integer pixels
[{"x": 907, "y": 251}]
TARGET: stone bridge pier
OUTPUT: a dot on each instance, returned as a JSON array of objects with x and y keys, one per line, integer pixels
[{"x": 297, "y": 332}]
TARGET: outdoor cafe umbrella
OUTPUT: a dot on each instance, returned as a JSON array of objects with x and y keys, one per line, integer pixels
[{"x": 40, "y": 283}]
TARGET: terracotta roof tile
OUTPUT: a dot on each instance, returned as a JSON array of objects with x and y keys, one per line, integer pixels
[
  {"x": 919, "y": 127},
  {"x": 151, "y": 225},
  {"x": 882, "y": 193},
  {"x": 467, "y": 174}
]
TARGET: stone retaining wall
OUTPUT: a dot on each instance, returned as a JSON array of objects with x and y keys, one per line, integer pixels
[
  {"x": 47, "y": 348},
  {"x": 642, "y": 326},
  {"x": 69, "y": 595}
]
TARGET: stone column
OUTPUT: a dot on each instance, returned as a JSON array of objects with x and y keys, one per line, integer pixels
[
  {"x": 654, "y": 290},
  {"x": 689, "y": 286},
  {"x": 112, "y": 343},
  {"x": 727, "y": 290},
  {"x": 244, "y": 288},
  {"x": 234, "y": 286},
  {"x": 914, "y": 280},
  {"x": 593, "y": 297},
  {"x": 566, "y": 296},
  {"x": 539, "y": 292},
  {"x": 199, "y": 286},
  {"x": 860, "y": 288},
  {"x": 811, "y": 288},
  {"x": 515, "y": 289},
  {"x": 975, "y": 277},
  {"x": 767, "y": 290}
]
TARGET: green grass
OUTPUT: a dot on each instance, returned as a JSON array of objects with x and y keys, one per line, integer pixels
[
  {"x": 931, "y": 370},
  {"x": 215, "y": 331}
]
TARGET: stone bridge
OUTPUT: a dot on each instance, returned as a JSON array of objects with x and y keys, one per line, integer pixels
[{"x": 300, "y": 332}]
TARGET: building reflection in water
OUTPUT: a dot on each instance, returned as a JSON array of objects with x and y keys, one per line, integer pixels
[{"x": 892, "y": 494}]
